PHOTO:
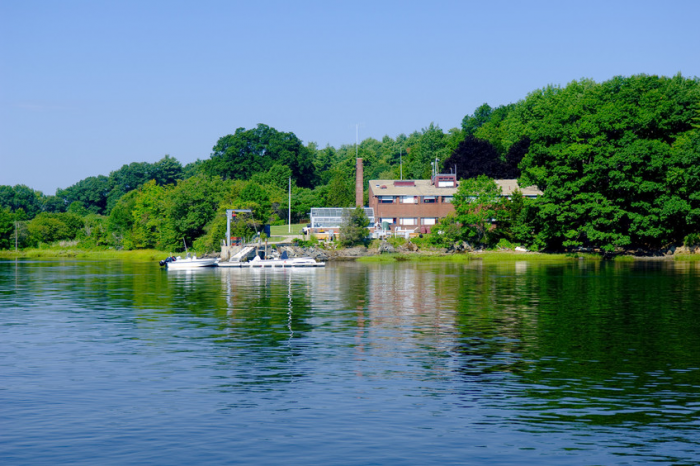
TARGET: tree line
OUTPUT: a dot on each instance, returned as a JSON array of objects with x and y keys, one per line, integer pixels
[{"x": 617, "y": 162}]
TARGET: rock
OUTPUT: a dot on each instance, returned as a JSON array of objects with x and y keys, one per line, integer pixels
[
  {"x": 386, "y": 248},
  {"x": 357, "y": 251},
  {"x": 408, "y": 247}
]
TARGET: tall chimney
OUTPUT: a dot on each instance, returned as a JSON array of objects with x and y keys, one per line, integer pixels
[{"x": 359, "y": 184}]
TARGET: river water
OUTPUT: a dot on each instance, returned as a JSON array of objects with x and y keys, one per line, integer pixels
[{"x": 354, "y": 364}]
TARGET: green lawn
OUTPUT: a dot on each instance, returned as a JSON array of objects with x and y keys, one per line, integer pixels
[{"x": 283, "y": 230}]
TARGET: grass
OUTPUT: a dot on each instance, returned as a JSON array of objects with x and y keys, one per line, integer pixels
[
  {"x": 686, "y": 257},
  {"x": 141, "y": 255},
  {"x": 501, "y": 256},
  {"x": 624, "y": 259},
  {"x": 283, "y": 230},
  {"x": 486, "y": 256}
]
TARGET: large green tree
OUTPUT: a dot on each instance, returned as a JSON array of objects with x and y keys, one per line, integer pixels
[
  {"x": 481, "y": 115},
  {"x": 21, "y": 197},
  {"x": 188, "y": 208},
  {"x": 7, "y": 227},
  {"x": 47, "y": 227},
  {"x": 258, "y": 200},
  {"x": 612, "y": 160},
  {"x": 148, "y": 219},
  {"x": 341, "y": 192},
  {"x": 92, "y": 192},
  {"x": 99, "y": 194},
  {"x": 478, "y": 205},
  {"x": 422, "y": 150},
  {"x": 247, "y": 152}
]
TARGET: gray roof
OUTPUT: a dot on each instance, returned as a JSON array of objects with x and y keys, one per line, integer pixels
[
  {"x": 425, "y": 188},
  {"x": 422, "y": 188},
  {"x": 509, "y": 186}
]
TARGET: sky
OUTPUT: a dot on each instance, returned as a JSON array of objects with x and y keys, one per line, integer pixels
[{"x": 88, "y": 86}]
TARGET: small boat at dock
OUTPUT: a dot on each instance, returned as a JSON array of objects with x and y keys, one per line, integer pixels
[{"x": 179, "y": 263}]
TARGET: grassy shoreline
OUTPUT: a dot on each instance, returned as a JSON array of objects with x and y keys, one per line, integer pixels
[
  {"x": 147, "y": 255},
  {"x": 486, "y": 256},
  {"x": 140, "y": 255}
]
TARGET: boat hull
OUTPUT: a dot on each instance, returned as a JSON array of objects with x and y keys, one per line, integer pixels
[{"x": 186, "y": 264}]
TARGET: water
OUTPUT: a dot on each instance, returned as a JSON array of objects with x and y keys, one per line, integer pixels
[{"x": 516, "y": 363}]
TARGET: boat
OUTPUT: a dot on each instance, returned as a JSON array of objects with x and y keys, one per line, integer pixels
[
  {"x": 189, "y": 262},
  {"x": 282, "y": 262}
]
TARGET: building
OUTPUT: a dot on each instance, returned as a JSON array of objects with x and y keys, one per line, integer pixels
[
  {"x": 412, "y": 207},
  {"x": 326, "y": 221}
]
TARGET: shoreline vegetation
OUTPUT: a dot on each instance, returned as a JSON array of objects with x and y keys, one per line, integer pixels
[
  {"x": 370, "y": 256},
  {"x": 137, "y": 255}
]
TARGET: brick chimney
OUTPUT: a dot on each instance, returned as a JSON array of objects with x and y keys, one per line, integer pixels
[{"x": 359, "y": 184}]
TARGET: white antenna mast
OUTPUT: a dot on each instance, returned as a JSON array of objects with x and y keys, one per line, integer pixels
[{"x": 357, "y": 137}]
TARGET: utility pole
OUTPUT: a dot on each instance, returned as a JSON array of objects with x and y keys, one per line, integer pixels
[{"x": 290, "y": 205}]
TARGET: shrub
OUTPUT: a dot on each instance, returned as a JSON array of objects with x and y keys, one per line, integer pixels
[
  {"x": 505, "y": 244},
  {"x": 692, "y": 239},
  {"x": 313, "y": 241}
]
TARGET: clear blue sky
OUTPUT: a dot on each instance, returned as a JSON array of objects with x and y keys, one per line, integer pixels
[{"x": 88, "y": 86}]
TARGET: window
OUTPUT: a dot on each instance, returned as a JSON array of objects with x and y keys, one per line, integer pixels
[
  {"x": 429, "y": 200},
  {"x": 447, "y": 199},
  {"x": 386, "y": 199},
  {"x": 408, "y": 200},
  {"x": 446, "y": 184},
  {"x": 387, "y": 220},
  {"x": 408, "y": 221},
  {"x": 428, "y": 221}
]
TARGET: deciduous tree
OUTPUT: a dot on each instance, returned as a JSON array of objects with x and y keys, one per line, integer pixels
[
  {"x": 477, "y": 202},
  {"x": 354, "y": 227},
  {"x": 246, "y": 152}
]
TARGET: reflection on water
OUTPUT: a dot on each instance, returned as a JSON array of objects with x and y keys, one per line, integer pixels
[{"x": 585, "y": 363}]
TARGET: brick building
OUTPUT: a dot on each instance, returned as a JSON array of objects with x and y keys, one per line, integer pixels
[{"x": 414, "y": 206}]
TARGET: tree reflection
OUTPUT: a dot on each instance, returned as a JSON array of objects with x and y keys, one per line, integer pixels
[{"x": 600, "y": 343}]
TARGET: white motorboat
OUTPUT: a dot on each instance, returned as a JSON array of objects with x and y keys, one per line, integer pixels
[{"x": 179, "y": 263}]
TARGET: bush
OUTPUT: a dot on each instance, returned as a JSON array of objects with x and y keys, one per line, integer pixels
[
  {"x": 47, "y": 227},
  {"x": 505, "y": 244},
  {"x": 396, "y": 242},
  {"x": 692, "y": 239},
  {"x": 312, "y": 242},
  {"x": 422, "y": 243}
]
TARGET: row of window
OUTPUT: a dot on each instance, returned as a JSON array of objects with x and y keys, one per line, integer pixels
[
  {"x": 413, "y": 199},
  {"x": 410, "y": 221}
]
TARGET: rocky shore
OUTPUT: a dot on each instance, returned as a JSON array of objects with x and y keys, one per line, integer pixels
[{"x": 339, "y": 254}]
